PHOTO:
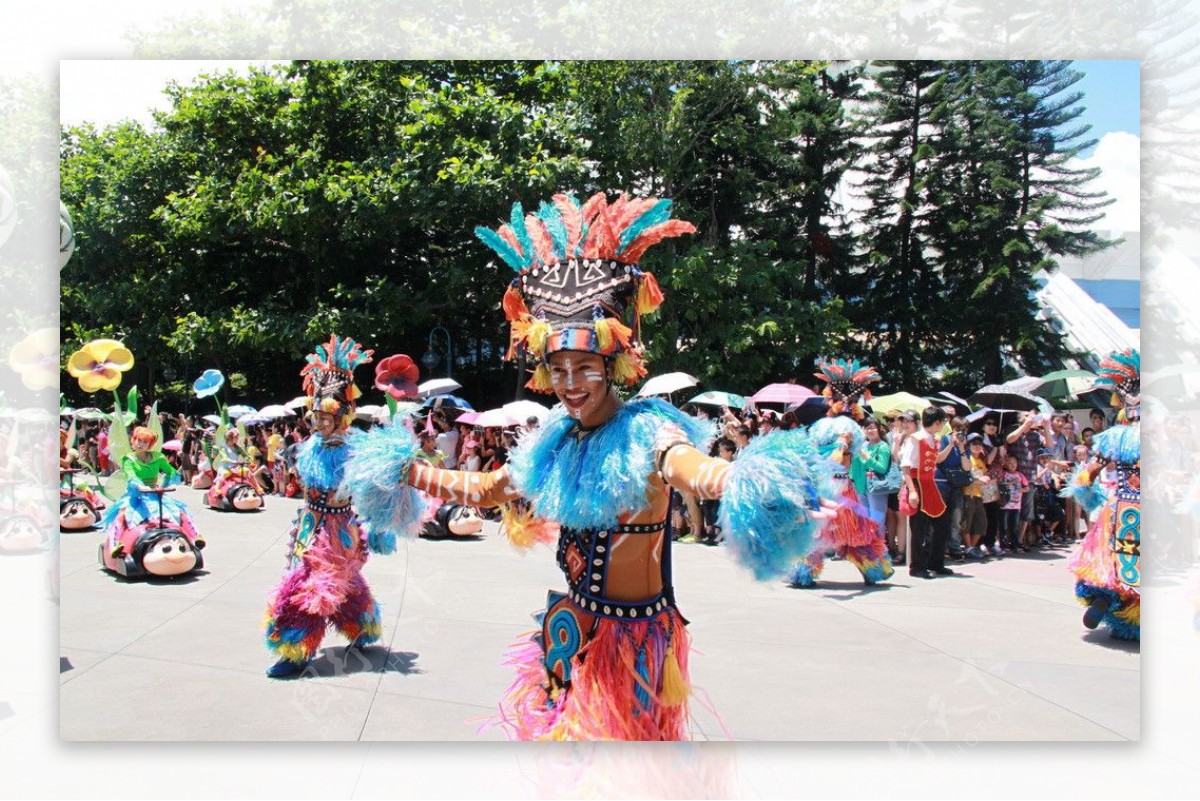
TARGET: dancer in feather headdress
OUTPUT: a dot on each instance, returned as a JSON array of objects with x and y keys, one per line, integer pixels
[
  {"x": 1107, "y": 564},
  {"x": 610, "y": 660},
  {"x": 852, "y": 534},
  {"x": 327, "y": 548}
]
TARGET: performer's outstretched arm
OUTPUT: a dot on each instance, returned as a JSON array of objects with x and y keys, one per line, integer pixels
[{"x": 459, "y": 486}]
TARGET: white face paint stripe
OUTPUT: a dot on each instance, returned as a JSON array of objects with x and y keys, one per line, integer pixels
[{"x": 657, "y": 551}]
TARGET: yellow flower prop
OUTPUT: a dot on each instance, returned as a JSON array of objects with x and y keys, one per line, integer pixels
[
  {"x": 98, "y": 364},
  {"x": 36, "y": 359}
]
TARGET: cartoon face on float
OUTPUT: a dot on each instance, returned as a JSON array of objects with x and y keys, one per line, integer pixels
[
  {"x": 166, "y": 552},
  {"x": 21, "y": 534},
  {"x": 463, "y": 521},
  {"x": 76, "y": 514},
  {"x": 244, "y": 499}
]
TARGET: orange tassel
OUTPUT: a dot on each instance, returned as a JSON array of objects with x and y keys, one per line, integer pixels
[
  {"x": 540, "y": 382},
  {"x": 514, "y": 304},
  {"x": 649, "y": 294},
  {"x": 627, "y": 369},
  {"x": 523, "y": 529}
]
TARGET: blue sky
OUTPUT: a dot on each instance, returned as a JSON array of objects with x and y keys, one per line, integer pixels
[{"x": 1112, "y": 95}]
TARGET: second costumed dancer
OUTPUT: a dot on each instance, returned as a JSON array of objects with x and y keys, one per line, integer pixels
[
  {"x": 610, "y": 660},
  {"x": 327, "y": 548},
  {"x": 1107, "y": 564},
  {"x": 852, "y": 534}
]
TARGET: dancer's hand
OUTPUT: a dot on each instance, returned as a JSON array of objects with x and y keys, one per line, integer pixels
[{"x": 827, "y": 511}]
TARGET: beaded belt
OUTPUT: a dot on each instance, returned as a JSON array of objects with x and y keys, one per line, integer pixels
[
  {"x": 624, "y": 610},
  {"x": 326, "y": 509}
]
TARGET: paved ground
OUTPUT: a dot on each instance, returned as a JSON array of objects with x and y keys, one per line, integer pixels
[{"x": 995, "y": 653}]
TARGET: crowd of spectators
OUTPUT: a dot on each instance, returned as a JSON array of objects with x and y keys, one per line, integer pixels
[{"x": 1001, "y": 486}]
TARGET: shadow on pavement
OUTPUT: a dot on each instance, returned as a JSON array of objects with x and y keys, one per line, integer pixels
[
  {"x": 345, "y": 661},
  {"x": 1102, "y": 638}
]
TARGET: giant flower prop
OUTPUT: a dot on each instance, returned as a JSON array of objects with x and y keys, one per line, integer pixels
[
  {"x": 98, "y": 364},
  {"x": 397, "y": 376},
  {"x": 209, "y": 383},
  {"x": 36, "y": 359}
]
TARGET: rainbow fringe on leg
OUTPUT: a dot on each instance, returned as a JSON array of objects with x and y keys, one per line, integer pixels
[
  {"x": 629, "y": 682},
  {"x": 359, "y": 616},
  {"x": 806, "y": 572},
  {"x": 1124, "y": 614},
  {"x": 871, "y": 560},
  {"x": 291, "y": 632}
]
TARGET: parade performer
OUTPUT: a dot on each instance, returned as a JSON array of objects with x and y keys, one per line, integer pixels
[
  {"x": 144, "y": 534},
  {"x": 234, "y": 487},
  {"x": 1107, "y": 564},
  {"x": 610, "y": 660},
  {"x": 852, "y": 534},
  {"x": 327, "y": 548}
]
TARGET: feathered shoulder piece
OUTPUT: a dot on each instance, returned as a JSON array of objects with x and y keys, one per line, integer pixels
[
  {"x": 1121, "y": 373},
  {"x": 577, "y": 275},
  {"x": 328, "y": 376},
  {"x": 847, "y": 384}
]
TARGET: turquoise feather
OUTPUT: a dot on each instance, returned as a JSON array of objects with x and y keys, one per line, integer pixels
[
  {"x": 503, "y": 249},
  {"x": 517, "y": 223},
  {"x": 549, "y": 214},
  {"x": 660, "y": 212}
]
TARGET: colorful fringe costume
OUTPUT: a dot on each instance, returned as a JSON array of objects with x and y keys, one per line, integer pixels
[
  {"x": 852, "y": 534},
  {"x": 610, "y": 658},
  {"x": 327, "y": 548},
  {"x": 1107, "y": 564}
]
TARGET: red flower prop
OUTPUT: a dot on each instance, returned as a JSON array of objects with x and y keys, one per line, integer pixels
[{"x": 397, "y": 376}]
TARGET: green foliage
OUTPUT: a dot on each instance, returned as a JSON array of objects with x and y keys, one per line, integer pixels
[{"x": 265, "y": 211}]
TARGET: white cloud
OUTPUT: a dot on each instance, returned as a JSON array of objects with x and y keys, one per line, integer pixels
[{"x": 1118, "y": 155}]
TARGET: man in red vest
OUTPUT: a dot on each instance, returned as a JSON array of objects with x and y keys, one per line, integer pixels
[{"x": 931, "y": 524}]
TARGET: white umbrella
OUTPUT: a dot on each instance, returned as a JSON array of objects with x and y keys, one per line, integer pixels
[
  {"x": 240, "y": 410},
  {"x": 496, "y": 418},
  {"x": 252, "y": 420},
  {"x": 90, "y": 413},
  {"x": 212, "y": 418},
  {"x": 437, "y": 386},
  {"x": 368, "y": 412},
  {"x": 274, "y": 411},
  {"x": 524, "y": 409},
  {"x": 298, "y": 402},
  {"x": 666, "y": 383}
]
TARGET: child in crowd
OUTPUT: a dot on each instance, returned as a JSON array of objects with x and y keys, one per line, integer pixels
[{"x": 1013, "y": 485}]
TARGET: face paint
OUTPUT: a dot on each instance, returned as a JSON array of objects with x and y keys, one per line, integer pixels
[{"x": 580, "y": 380}]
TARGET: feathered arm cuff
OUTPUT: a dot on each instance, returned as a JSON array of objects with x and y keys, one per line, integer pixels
[
  {"x": 771, "y": 492},
  {"x": 376, "y": 477},
  {"x": 1083, "y": 490}
]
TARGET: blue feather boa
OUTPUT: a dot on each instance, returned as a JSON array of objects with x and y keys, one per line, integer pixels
[
  {"x": 321, "y": 466},
  {"x": 1121, "y": 443},
  {"x": 1090, "y": 496},
  {"x": 773, "y": 484},
  {"x": 375, "y": 475},
  {"x": 588, "y": 482}
]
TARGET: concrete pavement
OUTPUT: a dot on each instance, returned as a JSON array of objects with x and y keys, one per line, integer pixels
[{"x": 995, "y": 653}]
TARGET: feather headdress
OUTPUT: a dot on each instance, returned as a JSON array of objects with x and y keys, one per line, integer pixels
[
  {"x": 329, "y": 377},
  {"x": 1121, "y": 373},
  {"x": 577, "y": 275},
  {"x": 846, "y": 383}
]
